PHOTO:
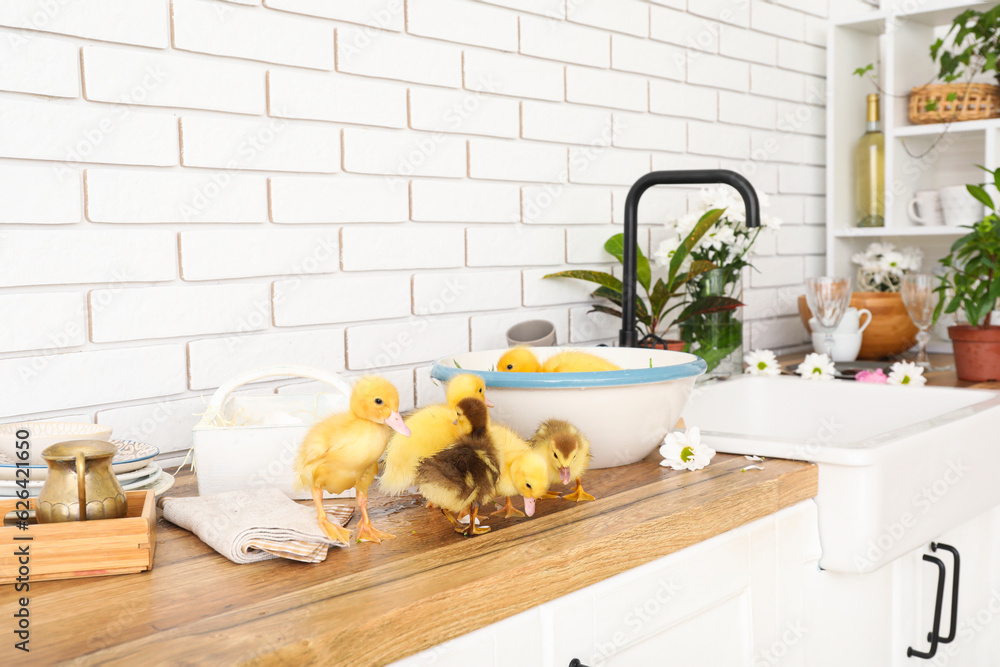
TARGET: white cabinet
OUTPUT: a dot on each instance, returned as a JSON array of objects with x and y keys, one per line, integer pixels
[
  {"x": 736, "y": 599},
  {"x": 872, "y": 619}
]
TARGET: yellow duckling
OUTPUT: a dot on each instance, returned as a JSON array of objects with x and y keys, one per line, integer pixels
[
  {"x": 342, "y": 452},
  {"x": 567, "y": 452},
  {"x": 523, "y": 471},
  {"x": 465, "y": 475},
  {"x": 519, "y": 360},
  {"x": 434, "y": 429},
  {"x": 523, "y": 360}
]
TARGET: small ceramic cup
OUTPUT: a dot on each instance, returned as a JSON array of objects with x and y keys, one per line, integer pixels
[
  {"x": 850, "y": 324},
  {"x": 537, "y": 333},
  {"x": 959, "y": 207},
  {"x": 925, "y": 208},
  {"x": 846, "y": 346}
]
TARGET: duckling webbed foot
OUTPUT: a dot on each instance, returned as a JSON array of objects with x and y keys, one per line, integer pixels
[
  {"x": 551, "y": 494},
  {"x": 578, "y": 494},
  {"x": 332, "y": 530},
  {"x": 508, "y": 510},
  {"x": 473, "y": 528},
  {"x": 366, "y": 531},
  {"x": 432, "y": 506},
  {"x": 451, "y": 517}
]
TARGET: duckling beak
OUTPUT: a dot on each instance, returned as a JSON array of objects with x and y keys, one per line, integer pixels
[
  {"x": 488, "y": 402},
  {"x": 529, "y": 505},
  {"x": 564, "y": 475},
  {"x": 395, "y": 422}
]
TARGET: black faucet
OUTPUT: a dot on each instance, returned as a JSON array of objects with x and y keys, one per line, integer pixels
[{"x": 628, "y": 337}]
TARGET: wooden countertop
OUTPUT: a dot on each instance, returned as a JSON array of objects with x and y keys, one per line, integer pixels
[{"x": 425, "y": 587}]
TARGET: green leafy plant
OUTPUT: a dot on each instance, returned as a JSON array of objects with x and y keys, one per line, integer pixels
[
  {"x": 653, "y": 313},
  {"x": 974, "y": 48},
  {"x": 972, "y": 277}
]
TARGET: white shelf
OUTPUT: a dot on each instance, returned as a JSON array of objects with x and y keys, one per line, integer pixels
[
  {"x": 934, "y": 129},
  {"x": 853, "y": 232}
]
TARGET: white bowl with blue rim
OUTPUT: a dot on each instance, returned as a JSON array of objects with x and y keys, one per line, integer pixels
[{"x": 624, "y": 414}]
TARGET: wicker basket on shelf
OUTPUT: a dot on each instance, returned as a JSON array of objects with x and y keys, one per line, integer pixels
[{"x": 974, "y": 101}]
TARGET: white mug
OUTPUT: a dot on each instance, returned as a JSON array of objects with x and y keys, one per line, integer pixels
[
  {"x": 850, "y": 324},
  {"x": 925, "y": 208},
  {"x": 846, "y": 346},
  {"x": 959, "y": 207}
]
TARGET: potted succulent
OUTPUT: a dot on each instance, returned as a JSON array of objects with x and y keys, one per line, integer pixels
[
  {"x": 664, "y": 296},
  {"x": 881, "y": 268},
  {"x": 971, "y": 282}
]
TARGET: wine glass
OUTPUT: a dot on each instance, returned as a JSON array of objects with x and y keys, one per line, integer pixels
[
  {"x": 828, "y": 299},
  {"x": 918, "y": 295}
]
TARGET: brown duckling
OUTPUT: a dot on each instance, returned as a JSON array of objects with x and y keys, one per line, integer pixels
[
  {"x": 567, "y": 452},
  {"x": 465, "y": 475}
]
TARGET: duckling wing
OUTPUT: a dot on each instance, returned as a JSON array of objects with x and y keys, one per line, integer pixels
[{"x": 431, "y": 430}]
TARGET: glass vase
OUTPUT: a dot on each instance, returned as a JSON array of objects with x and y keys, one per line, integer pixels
[{"x": 716, "y": 337}]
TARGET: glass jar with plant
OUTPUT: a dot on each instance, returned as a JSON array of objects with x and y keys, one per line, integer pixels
[
  {"x": 664, "y": 296},
  {"x": 716, "y": 336},
  {"x": 971, "y": 283}
]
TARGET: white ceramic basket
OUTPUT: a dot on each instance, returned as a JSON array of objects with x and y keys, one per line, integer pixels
[{"x": 255, "y": 455}]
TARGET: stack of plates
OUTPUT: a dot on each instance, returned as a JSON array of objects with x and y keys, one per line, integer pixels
[{"x": 133, "y": 465}]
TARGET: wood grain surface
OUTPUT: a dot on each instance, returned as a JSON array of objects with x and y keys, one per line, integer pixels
[{"x": 372, "y": 604}]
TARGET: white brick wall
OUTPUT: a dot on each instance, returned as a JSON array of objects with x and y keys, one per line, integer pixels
[{"x": 191, "y": 188}]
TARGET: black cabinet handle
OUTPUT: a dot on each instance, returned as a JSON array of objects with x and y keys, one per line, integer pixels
[
  {"x": 954, "y": 590},
  {"x": 932, "y": 636}
]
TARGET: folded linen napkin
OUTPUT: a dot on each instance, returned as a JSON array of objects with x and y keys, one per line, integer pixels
[{"x": 251, "y": 526}]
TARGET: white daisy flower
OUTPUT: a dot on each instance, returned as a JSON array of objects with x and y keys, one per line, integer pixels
[
  {"x": 683, "y": 450},
  {"x": 816, "y": 367},
  {"x": 908, "y": 373},
  {"x": 762, "y": 362},
  {"x": 665, "y": 251}
]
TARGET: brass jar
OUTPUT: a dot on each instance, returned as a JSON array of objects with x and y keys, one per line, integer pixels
[{"x": 80, "y": 475}]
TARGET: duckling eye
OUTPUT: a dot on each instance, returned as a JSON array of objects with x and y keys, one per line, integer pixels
[
  {"x": 480, "y": 391},
  {"x": 378, "y": 401},
  {"x": 510, "y": 367},
  {"x": 527, "y": 485},
  {"x": 554, "y": 455}
]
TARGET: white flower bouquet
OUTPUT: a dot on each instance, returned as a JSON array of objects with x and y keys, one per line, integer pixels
[{"x": 882, "y": 266}]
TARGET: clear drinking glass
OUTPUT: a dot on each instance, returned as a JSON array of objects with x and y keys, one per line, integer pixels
[
  {"x": 828, "y": 299},
  {"x": 918, "y": 295}
]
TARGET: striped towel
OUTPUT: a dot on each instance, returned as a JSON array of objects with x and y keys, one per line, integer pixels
[{"x": 251, "y": 526}]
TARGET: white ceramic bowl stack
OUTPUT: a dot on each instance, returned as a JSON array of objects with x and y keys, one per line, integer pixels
[{"x": 134, "y": 465}]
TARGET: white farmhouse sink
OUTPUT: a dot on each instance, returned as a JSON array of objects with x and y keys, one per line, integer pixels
[{"x": 898, "y": 466}]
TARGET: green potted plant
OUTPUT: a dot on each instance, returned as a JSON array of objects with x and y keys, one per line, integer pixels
[
  {"x": 971, "y": 282},
  {"x": 974, "y": 48},
  {"x": 663, "y": 297}
]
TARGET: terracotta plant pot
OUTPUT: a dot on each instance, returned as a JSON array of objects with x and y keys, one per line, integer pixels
[
  {"x": 977, "y": 352},
  {"x": 668, "y": 344},
  {"x": 891, "y": 331}
]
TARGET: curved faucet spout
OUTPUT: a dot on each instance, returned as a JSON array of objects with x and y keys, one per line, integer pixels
[{"x": 628, "y": 337}]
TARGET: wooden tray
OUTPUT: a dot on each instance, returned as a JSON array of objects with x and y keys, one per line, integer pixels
[{"x": 81, "y": 548}]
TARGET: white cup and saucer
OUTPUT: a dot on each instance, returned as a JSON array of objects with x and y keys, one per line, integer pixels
[{"x": 846, "y": 338}]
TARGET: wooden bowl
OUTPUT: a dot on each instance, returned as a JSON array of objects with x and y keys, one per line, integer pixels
[{"x": 891, "y": 331}]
